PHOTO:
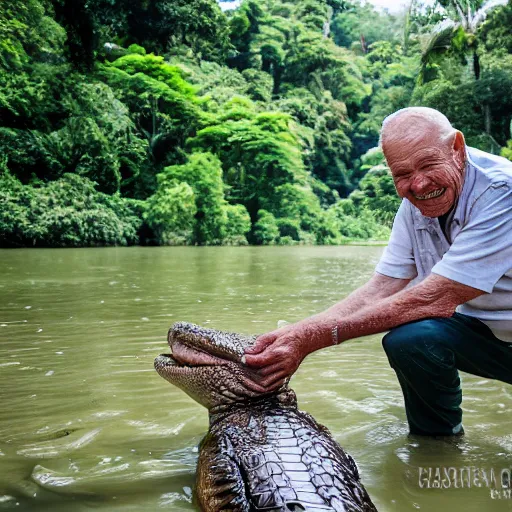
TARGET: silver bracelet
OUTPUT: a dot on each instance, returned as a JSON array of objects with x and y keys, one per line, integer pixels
[{"x": 334, "y": 335}]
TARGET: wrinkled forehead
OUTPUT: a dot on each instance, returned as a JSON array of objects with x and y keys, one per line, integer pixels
[
  {"x": 412, "y": 130},
  {"x": 226, "y": 341}
]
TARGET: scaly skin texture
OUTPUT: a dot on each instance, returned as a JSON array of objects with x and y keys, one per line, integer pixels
[{"x": 261, "y": 452}]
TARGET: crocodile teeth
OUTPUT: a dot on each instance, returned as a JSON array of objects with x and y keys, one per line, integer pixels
[{"x": 435, "y": 193}]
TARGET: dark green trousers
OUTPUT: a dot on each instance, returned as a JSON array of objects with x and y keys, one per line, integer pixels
[{"x": 426, "y": 356}]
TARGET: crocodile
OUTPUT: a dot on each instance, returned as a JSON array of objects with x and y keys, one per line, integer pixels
[{"x": 261, "y": 453}]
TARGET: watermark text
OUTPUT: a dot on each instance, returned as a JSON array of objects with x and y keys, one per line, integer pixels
[{"x": 498, "y": 481}]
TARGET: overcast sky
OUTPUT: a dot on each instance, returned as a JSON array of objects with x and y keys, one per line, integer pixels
[
  {"x": 396, "y": 5},
  {"x": 391, "y": 5}
]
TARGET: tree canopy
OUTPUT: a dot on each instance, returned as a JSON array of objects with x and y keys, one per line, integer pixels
[{"x": 173, "y": 122}]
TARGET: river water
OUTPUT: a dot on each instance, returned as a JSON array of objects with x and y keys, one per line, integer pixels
[{"x": 87, "y": 424}]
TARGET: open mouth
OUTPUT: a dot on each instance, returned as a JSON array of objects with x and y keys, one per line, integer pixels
[
  {"x": 431, "y": 195},
  {"x": 193, "y": 346},
  {"x": 185, "y": 356}
]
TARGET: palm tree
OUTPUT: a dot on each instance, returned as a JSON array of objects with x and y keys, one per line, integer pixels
[{"x": 457, "y": 33}]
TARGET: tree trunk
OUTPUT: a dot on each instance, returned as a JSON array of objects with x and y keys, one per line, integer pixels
[
  {"x": 327, "y": 22},
  {"x": 363, "y": 44},
  {"x": 277, "y": 74},
  {"x": 476, "y": 65},
  {"x": 487, "y": 118},
  {"x": 407, "y": 26}
]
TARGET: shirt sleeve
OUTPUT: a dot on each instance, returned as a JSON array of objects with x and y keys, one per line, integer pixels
[
  {"x": 482, "y": 252},
  {"x": 397, "y": 259}
]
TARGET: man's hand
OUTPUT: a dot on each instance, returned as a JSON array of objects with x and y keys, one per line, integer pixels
[{"x": 277, "y": 354}]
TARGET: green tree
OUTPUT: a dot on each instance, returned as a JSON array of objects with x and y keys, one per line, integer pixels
[
  {"x": 324, "y": 134},
  {"x": 494, "y": 33},
  {"x": 266, "y": 230},
  {"x": 96, "y": 140},
  {"x": 392, "y": 73},
  {"x": 360, "y": 25},
  {"x": 238, "y": 224},
  {"x": 162, "y": 104},
  {"x": 28, "y": 32},
  {"x": 166, "y": 24},
  {"x": 258, "y": 155},
  {"x": 457, "y": 34},
  {"x": 244, "y": 25},
  {"x": 68, "y": 212},
  {"x": 171, "y": 213},
  {"x": 203, "y": 173}
]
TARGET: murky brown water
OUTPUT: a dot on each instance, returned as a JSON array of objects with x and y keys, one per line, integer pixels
[{"x": 86, "y": 423}]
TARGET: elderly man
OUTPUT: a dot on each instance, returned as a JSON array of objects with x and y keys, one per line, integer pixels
[{"x": 451, "y": 242}]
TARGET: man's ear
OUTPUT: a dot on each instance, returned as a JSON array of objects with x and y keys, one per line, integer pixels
[{"x": 459, "y": 147}]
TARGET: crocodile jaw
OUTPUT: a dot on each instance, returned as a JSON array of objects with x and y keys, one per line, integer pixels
[{"x": 206, "y": 364}]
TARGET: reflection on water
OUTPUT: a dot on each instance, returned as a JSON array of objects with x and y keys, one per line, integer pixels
[{"x": 86, "y": 423}]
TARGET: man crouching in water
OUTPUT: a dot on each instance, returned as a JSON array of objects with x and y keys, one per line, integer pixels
[{"x": 453, "y": 235}]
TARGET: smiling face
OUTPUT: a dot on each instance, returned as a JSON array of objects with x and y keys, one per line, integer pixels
[{"x": 427, "y": 160}]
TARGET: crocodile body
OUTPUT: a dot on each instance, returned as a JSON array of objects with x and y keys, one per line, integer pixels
[{"x": 261, "y": 452}]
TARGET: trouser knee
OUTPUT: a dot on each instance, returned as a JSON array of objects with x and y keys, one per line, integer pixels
[{"x": 417, "y": 339}]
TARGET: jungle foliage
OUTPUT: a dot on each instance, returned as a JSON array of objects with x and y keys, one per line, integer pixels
[{"x": 175, "y": 122}]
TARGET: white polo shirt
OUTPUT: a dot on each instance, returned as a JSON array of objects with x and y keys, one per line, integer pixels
[{"x": 477, "y": 250}]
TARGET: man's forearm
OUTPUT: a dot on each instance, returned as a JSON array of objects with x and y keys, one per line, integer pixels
[
  {"x": 436, "y": 297},
  {"x": 380, "y": 305},
  {"x": 376, "y": 289},
  {"x": 383, "y": 315},
  {"x": 319, "y": 327},
  {"x": 279, "y": 353}
]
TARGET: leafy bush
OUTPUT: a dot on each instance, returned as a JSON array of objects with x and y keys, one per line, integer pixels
[
  {"x": 364, "y": 226},
  {"x": 68, "y": 212},
  {"x": 238, "y": 224},
  {"x": 266, "y": 229},
  {"x": 376, "y": 190},
  {"x": 171, "y": 214},
  {"x": 507, "y": 151},
  {"x": 203, "y": 173},
  {"x": 289, "y": 228},
  {"x": 135, "y": 48}
]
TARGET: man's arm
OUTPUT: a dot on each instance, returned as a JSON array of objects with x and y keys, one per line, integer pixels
[
  {"x": 378, "y": 306},
  {"x": 377, "y": 288},
  {"x": 434, "y": 297}
]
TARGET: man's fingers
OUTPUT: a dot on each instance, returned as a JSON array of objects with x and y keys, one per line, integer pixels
[
  {"x": 259, "y": 360},
  {"x": 275, "y": 386},
  {"x": 262, "y": 342},
  {"x": 268, "y": 370},
  {"x": 276, "y": 378},
  {"x": 257, "y": 388},
  {"x": 253, "y": 386}
]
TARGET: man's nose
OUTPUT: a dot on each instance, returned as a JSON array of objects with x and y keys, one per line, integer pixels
[{"x": 419, "y": 183}]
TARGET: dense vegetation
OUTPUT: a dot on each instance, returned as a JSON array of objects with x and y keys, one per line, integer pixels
[{"x": 173, "y": 122}]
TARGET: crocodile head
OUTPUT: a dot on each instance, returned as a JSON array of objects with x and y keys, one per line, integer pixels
[{"x": 206, "y": 364}]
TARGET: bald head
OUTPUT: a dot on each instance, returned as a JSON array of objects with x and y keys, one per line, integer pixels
[{"x": 412, "y": 124}]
